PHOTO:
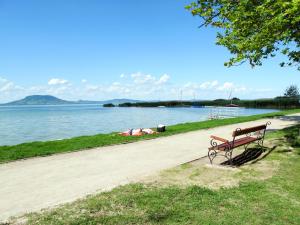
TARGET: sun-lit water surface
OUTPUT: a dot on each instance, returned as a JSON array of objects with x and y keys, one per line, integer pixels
[{"x": 20, "y": 124}]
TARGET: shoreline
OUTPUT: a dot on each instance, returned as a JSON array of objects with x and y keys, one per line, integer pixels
[
  {"x": 51, "y": 123},
  {"x": 46, "y": 148}
]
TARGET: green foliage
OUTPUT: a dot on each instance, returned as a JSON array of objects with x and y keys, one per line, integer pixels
[
  {"x": 108, "y": 105},
  {"x": 34, "y": 149},
  {"x": 157, "y": 104},
  {"x": 253, "y": 30},
  {"x": 276, "y": 103},
  {"x": 292, "y": 92}
]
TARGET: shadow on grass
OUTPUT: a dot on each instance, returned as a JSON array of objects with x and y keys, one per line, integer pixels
[
  {"x": 289, "y": 118},
  {"x": 251, "y": 154},
  {"x": 291, "y": 136}
]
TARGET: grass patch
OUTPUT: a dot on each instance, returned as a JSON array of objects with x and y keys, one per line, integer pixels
[
  {"x": 28, "y": 150},
  {"x": 275, "y": 200}
]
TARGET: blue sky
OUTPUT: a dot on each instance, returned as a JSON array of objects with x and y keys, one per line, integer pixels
[{"x": 89, "y": 49}]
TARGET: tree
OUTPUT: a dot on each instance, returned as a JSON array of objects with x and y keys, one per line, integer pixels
[
  {"x": 292, "y": 92},
  {"x": 108, "y": 105},
  {"x": 253, "y": 30}
]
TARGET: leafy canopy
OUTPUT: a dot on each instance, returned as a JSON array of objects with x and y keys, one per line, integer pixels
[
  {"x": 253, "y": 30},
  {"x": 292, "y": 92}
]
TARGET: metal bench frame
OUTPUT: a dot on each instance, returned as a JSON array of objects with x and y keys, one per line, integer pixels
[{"x": 251, "y": 135}]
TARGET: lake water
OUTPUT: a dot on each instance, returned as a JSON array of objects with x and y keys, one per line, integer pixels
[{"x": 20, "y": 124}]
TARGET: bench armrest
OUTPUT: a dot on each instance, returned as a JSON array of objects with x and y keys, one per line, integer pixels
[{"x": 219, "y": 139}]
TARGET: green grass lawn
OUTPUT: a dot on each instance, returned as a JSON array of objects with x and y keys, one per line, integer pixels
[
  {"x": 28, "y": 150},
  {"x": 275, "y": 200}
]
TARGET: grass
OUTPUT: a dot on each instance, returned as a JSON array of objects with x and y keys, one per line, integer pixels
[
  {"x": 34, "y": 149},
  {"x": 275, "y": 200}
]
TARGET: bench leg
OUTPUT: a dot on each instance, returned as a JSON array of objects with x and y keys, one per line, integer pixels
[
  {"x": 228, "y": 155},
  {"x": 260, "y": 143},
  {"x": 246, "y": 147},
  {"x": 211, "y": 155}
]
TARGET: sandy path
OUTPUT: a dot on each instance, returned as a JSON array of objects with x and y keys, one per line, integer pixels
[{"x": 33, "y": 184}]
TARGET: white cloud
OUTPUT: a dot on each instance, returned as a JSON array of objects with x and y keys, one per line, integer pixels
[
  {"x": 57, "y": 81},
  {"x": 226, "y": 86},
  {"x": 214, "y": 83},
  {"x": 83, "y": 81},
  {"x": 9, "y": 90},
  {"x": 6, "y": 85},
  {"x": 163, "y": 79},
  {"x": 59, "y": 87},
  {"x": 139, "y": 78},
  {"x": 148, "y": 79},
  {"x": 205, "y": 85},
  {"x": 240, "y": 89},
  {"x": 229, "y": 86},
  {"x": 137, "y": 86},
  {"x": 93, "y": 88},
  {"x": 3, "y": 80},
  {"x": 119, "y": 88},
  {"x": 212, "y": 90},
  {"x": 209, "y": 84},
  {"x": 122, "y": 75}
]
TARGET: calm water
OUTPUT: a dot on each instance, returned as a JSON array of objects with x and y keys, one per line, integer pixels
[{"x": 20, "y": 124}]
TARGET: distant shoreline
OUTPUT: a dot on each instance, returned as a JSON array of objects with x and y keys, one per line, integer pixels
[{"x": 276, "y": 103}]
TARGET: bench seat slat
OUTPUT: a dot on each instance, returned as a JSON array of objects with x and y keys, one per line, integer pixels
[{"x": 237, "y": 143}]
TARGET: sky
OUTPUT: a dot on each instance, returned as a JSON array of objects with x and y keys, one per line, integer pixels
[{"x": 101, "y": 49}]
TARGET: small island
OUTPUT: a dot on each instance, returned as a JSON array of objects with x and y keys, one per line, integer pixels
[{"x": 108, "y": 105}]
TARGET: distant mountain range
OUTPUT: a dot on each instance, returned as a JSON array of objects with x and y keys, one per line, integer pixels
[{"x": 51, "y": 100}]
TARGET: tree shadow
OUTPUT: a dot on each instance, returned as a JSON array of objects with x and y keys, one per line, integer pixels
[
  {"x": 284, "y": 150},
  {"x": 289, "y": 118}
]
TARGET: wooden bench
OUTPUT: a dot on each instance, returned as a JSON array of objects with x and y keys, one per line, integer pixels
[{"x": 240, "y": 137}]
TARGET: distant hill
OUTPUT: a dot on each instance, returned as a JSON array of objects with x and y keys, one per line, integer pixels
[
  {"x": 39, "y": 100},
  {"x": 51, "y": 100}
]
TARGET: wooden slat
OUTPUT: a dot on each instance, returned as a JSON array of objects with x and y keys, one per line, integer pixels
[
  {"x": 237, "y": 143},
  {"x": 243, "y": 141},
  {"x": 218, "y": 138},
  {"x": 248, "y": 130}
]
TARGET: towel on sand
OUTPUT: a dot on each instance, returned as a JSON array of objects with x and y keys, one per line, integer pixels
[{"x": 137, "y": 132}]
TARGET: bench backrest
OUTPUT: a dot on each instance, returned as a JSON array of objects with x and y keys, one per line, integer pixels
[{"x": 239, "y": 132}]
